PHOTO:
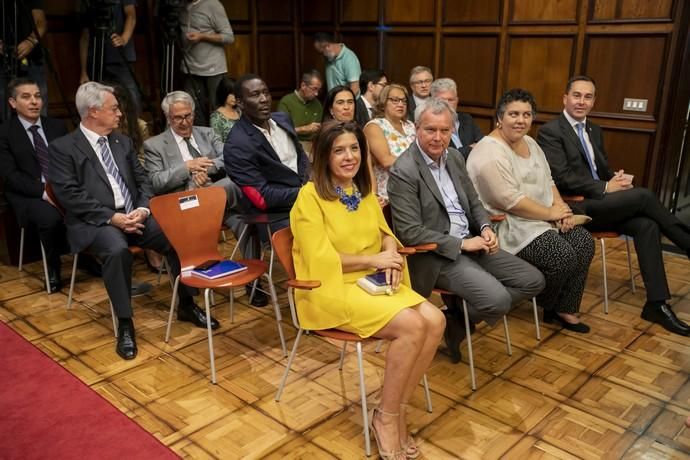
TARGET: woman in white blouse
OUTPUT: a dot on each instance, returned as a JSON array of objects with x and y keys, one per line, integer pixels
[{"x": 511, "y": 176}]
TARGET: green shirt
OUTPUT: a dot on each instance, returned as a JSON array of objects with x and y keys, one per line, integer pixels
[{"x": 301, "y": 113}]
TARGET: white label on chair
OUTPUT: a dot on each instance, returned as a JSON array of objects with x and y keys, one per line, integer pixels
[{"x": 188, "y": 202}]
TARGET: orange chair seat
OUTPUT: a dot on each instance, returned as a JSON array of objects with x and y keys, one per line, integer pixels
[
  {"x": 339, "y": 335},
  {"x": 605, "y": 234},
  {"x": 442, "y": 291},
  {"x": 255, "y": 268}
]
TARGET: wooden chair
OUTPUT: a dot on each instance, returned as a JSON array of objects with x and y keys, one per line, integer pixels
[
  {"x": 282, "y": 243},
  {"x": 509, "y": 349},
  {"x": 43, "y": 258},
  {"x": 191, "y": 220},
  {"x": 601, "y": 237}
]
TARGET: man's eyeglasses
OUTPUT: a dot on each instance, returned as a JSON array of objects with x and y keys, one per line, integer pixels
[
  {"x": 181, "y": 118},
  {"x": 423, "y": 82},
  {"x": 397, "y": 100}
]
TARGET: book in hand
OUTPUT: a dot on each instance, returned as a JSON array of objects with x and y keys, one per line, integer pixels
[
  {"x": 375, "y": 284},
  {"x": 218, "y": 270}
]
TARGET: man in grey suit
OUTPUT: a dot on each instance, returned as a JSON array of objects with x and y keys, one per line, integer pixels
[
  {"x": 184, "y": 157},
  {"x": 466, "y": 133},
  {"x": 98, "y": 179},
  {"x": 433, "y": 201}
]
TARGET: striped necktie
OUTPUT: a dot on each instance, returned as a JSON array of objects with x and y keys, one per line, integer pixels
[
  {"x": 581, "y": 135},
  {"x": 41, "y": 150},
  {"x": 111, "y": 167},
  {"x": 192, "y": 151}
]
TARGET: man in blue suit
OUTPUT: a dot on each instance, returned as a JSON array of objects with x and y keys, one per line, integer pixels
[{"x": 263, "y": 155}]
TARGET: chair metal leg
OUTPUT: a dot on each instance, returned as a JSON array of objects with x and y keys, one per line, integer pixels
[
  {"x": 427, "y": 394},
  {"x": 342, "y": 356},
  {"x": 232, "y": 305},
  {"x": 379, "y": 346},
  {"x": 509, "y": 348},
  {"x": 239, "y": 240},
  {"x": 21, "y": 248},
  {"x": 276, "y": 309},
  {"x": 469, "y": 344},
  {"x": 536, "y": 317},
  {"x": 213, "y": 297},
  {"x": 281, "y": 387},
  {"x": 603, "y": 269},
  {"x": 363, "y": 395},
  {"x": 71, "y": 283},
  {"x": 172, "y": 308},
  {"x": 222, "y": 234},
  {"x": 45, "y": 267},
  {"x": 630, "y": 268},
  {"x": 112, "y": 314},
  {"x": 207, "y": 301}
]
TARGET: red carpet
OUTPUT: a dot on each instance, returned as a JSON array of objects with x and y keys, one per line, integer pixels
[{"x": 46, "y": 412}]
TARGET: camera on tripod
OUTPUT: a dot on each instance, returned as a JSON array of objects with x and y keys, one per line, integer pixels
[
  {"x": 169, "y": 13},
  {"x": 101, "y": 11}
]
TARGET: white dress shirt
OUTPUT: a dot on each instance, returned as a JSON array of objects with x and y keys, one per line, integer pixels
[{"x": 281, "y": 143}]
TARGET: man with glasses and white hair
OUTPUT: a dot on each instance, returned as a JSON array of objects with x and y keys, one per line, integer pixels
[
  {"x": 105, "y": 191},
  {"x": 185, "y": 157},
  {"x": 420, "y": 83},
  {"x": 466, "y": 133}
]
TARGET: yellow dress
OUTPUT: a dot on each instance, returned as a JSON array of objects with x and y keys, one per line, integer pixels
[{"x": 322, "y": 230}]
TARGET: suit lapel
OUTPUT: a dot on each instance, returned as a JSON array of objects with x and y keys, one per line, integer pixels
[
  {"x": 24, "y": 138},
  {"x": 426, "y": 175},
  {"x": 84, "y": 147},
  {"x": 572, "y": 137}
]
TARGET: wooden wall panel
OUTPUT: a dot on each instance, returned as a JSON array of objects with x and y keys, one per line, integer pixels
[
  {"x": 239, "y": 56},
  {"x": 628, "y": 150},
  {"x": 359, "y": 11},
  {"x": 277, "y": 61},
  {"x": 410, "y": 11},
  {"x": 606, "y": 10},
  {"x": 317, "y": 11},
  {"x": 541, "y": 65},
  {"x": 457, "y": 12},
  {"x": 610, "y": 59},
  {"x": 272, "y": 12},
  {"x": 237, "y": 10},
  {"x": 402, "y": 52},
  {"x": 365, "y": 46},
  {"x": 310, "y": 58},
  {"x": 62, "y": 47},
  {"x": 472, "y": 61},
  {"x": 543, "y": 11}
]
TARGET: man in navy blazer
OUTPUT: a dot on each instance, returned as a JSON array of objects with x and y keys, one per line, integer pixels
[
  {"x": 23, "y": 165},
  {"x": 105, "y": 191},
  {"x": 263, "y": 155},
  {"x": 579, "y": 165}
]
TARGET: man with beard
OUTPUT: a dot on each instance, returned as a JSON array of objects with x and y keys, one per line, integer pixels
[{"x": 343, "y": 66}]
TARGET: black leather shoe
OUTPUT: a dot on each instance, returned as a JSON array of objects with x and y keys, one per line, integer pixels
[
  {"x": 126, "y": 343},
  {"x": 260, "y": 298},
  {"x": 195, "y": 315},
  {"x": 140, "y": 288},
  {"x": 553, "y": 317},
  {"x": 54, "y": 281},
  {"x": 454, "y": 335},
  {"x": 665, "y": 317}
]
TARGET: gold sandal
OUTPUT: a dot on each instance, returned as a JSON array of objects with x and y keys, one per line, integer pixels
[
  {"x": 393, "y": 455},
  {"x": 409, "y": 447}
]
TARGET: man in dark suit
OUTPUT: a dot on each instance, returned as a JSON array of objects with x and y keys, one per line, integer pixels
[
  {"x": 420, "y": 83},
  {"x": 98, "y": 179},
  {"x": 263, "y": 155},
  {"x": 24, "y": 163},
  {"x": 575, "y": 150},
  {"x": 433, "y": 200},
  {"x": 371, "y": 82},
  {"x": 466, "y": 133}
]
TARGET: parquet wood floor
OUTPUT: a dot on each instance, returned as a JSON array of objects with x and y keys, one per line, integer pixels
[{"x": 621, "y": 391}]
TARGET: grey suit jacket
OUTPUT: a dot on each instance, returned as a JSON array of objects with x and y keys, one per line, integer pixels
[
  {"x": 420, "y": 216},
  {"x": 81, "y": 184},
  {"x": 163, "y": 160}
]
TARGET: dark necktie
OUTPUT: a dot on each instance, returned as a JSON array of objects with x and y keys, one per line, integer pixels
[
  {"x": 111, "y": 167},
  {"x": 192, "y": 151},
  {"x": 41, "y": 150},
  {"x": 580, "y": 134}
]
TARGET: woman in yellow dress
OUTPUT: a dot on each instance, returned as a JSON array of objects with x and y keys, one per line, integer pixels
[{"x": 340, "y": 236}]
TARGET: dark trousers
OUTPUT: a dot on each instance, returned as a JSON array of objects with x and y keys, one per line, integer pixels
[
  {"x": 638, "y": 213},
  {"x": 203, "y": 90},
  {"x": 51, "y": 229},
  {"x": 111, "y": 246}
]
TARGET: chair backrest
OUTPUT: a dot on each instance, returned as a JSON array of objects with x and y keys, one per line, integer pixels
[
  {"x": 191, "y": 221},
  {"x": 282, "y": 245}
]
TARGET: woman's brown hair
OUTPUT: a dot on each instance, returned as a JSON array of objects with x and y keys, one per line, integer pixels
[
  {"x": 380, "y": 107},
  {"x": 323, "y": 143}
]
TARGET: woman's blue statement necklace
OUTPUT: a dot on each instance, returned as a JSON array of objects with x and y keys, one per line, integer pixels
[{"x": 351, "y": 202}]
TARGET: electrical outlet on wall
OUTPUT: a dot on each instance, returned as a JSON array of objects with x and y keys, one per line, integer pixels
[{"x": 635, "y": 105}]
